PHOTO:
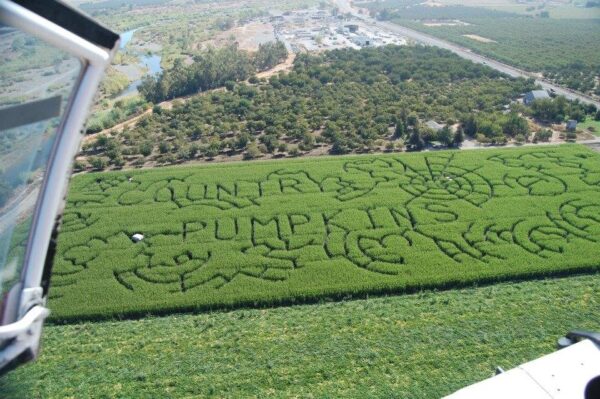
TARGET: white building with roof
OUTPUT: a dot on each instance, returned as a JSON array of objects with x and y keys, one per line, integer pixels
[{"x": 535, "y": 95}]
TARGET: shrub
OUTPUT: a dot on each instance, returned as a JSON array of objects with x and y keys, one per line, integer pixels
[
  {"x": 98, "y": 163},
  {"x": 252, "y": 151}
]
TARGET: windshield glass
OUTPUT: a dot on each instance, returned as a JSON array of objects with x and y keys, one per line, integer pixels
[
  {"x": 342, "y": 198},
  {"x": 35, "y": 85}
]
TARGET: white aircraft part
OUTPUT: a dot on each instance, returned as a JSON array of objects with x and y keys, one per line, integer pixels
[{"x": 563, "y": 374}]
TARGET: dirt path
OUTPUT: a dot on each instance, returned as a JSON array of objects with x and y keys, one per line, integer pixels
[
  {"x": 284, "y": 66},
  {"x": 118, "y": 127}
]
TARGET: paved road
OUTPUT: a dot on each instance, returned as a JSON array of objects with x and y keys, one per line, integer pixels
[{"x": 345, "y": 7}]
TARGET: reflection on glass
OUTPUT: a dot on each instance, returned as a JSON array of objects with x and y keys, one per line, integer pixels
[{"x": 30, "y": 70}]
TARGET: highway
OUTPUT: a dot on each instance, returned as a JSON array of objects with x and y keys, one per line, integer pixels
[{"x": 423, "y": 38}]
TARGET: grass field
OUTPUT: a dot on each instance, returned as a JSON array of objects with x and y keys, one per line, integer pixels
[
  {"x": 292, "y": 231},
  {"x": 412, "y": 346},
  {"x": 589, "y": 122}
]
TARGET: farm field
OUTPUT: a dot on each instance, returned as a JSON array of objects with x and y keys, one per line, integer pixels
[
  {"x": 423, "y": 346},
  {"x": 294, "y": 231},
  {"x": 563, "y": 46}
]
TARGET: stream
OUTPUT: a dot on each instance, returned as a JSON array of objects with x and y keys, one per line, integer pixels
[{"x": 150, "y": 62}]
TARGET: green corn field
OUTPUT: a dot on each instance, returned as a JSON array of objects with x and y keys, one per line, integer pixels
[{"x": 293, "y": 231}]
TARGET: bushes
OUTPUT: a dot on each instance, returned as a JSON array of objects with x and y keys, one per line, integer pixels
[
  {"x": 278, "y": 232},
  {"x": 252, "y": 151},
  {"x": 98, "y": 163},
  {"x": 543, "y": 135}
]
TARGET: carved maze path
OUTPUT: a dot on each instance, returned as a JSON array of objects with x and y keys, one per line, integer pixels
[{"x": 279, "y": 232}]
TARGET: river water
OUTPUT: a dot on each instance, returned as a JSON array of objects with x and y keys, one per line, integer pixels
[
  {"x": 126, "y": 37},
  {"x": 150, "y": 62}
]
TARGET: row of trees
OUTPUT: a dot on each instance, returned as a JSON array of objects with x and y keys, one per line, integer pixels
[
  {"x": 559, "y": 109},
  {"x": 211, "y": 69}
]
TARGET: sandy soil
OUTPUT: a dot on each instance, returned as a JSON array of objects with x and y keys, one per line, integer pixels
[
  {"x": 432, "y": 3},
  {"x": 284, "y": 66},
  {"x": 480, "y": 39},
  {"x": 455, "y": 22},
  {"x": 248, "y": 36}
]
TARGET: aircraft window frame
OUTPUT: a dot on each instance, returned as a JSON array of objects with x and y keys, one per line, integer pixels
[{"x": 95, "y": 48}]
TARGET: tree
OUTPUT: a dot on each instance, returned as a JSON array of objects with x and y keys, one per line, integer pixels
[
  {"x": 340, "y": 145},
  {"x": 415, "y": 141},
  {"x": 412, "y": 119},
  {"x": 212, "y": 149},
  {"x": 230, "y": 85},
  {"x": 553, "y": 110},
  {"x": 98, "y": 163},
  {"x": 515, "y": 125},
  {"x": 270, "y": 142},
  {"x": 113, "y": 149},
  {"x": 78, "y": 166},
  {"x": 543, "y": 135},
  {"x": 118, "y": 161},
  {"x": 252, "y": 151},
  {"x": 211, "y": 69},
  {"x": 242, "y": 140},
  {"x": 459, "y": 137},
  {"x": 146, "y": 148},
  {"x": 101, "y": 141},
  {"x": 164, "y": 147},
  {"x": 270, "y": 54},
  {"x": 347, "y": 100},
  {"x": 384, "y": 15},
  {"x": 444, "y": 136},
  {"x": 577, "y": 114},
  {"x": 470, "y": 126},
  {"x": 400, "y": 130}
]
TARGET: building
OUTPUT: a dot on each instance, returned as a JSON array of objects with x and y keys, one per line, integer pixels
[
  {"x": 433, "y": 125},
  {"x": 535, "y": 95},
  {"x": 362, "y": 41},
  {"x": 352, "y": 28},
  {"x": 276, "y": 16},
  {"x": 571, "y": 125}
]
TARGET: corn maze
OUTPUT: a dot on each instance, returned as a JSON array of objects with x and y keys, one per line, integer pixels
[{"x": 291, "y": 231}]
